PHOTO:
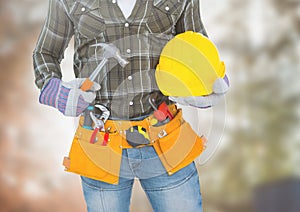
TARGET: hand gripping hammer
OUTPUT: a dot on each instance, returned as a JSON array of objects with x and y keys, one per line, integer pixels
[{"x": 110, "y": 51}]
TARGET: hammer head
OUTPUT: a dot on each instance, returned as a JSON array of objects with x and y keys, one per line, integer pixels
[{"x": 111, "y": 51}]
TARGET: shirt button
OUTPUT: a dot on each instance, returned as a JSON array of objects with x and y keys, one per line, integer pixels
[
  {"x": 126, "y": 24},
  {"x": 83, "y": 9},
  {"x": 114, "y": 1},
  {"x": 131, "y": 103},
  {"x": 167, "y": 8},
  {"x": 129, "y": 78},
  {"x": 128, "y": 51}
]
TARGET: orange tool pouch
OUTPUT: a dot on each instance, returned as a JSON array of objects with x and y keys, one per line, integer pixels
[{"x": 176, "y": 144}]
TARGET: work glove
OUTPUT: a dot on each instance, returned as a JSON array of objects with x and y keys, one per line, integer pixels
[
  {"x": 67, "y": 96},
  {"x": 220, "y": 87}
]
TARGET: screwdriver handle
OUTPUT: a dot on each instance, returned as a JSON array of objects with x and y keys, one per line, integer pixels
[{"x": 88, "y": 122}]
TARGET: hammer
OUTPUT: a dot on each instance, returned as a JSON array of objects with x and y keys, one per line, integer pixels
[{"x": 110, "y": 51}]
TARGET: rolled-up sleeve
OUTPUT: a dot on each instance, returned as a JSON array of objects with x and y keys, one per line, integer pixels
[
  {"x": 190, "y": 19},
  {"x": 53, "y": 40}
]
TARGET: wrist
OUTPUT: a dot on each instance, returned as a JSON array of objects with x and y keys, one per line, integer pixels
[{"x": 48, "y": 95}]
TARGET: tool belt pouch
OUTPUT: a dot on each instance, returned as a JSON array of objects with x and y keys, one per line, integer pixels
[
  {"x": 178, "y": 144},
  {"x": 94, "y": 160}
]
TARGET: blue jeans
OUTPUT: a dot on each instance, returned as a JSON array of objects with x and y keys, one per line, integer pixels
[{"x": 166, "y": 193}]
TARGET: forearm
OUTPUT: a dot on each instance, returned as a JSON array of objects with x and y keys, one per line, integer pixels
[
  {"x": 53, "y": 40},
  {"x": 45, "y": 68}
]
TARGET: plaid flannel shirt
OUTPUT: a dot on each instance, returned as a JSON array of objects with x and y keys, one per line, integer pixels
[{"x": 140, "y": 38}]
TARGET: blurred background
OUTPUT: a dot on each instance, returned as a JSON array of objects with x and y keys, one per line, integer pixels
[{"x": 256, "y": 166}]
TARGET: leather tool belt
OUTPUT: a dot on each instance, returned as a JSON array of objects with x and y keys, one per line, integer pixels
[{"x": 176, "y": 144}]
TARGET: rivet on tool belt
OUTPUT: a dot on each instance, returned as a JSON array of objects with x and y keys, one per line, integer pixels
[{"x": 162, "y": 134}]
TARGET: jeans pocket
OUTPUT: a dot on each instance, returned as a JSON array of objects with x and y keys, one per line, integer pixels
[{"x": 166, "y": 182}]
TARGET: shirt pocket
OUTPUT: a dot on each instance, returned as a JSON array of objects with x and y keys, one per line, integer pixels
[
  {"x": 87, "y": 20},
  {"x": 164, "y": 16}
]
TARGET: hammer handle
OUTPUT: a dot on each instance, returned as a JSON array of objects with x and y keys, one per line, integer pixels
[{"x": 86, "y": 85}]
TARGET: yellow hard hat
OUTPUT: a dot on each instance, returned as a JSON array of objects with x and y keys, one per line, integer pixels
[{"x": 189, "y": 64}]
